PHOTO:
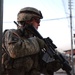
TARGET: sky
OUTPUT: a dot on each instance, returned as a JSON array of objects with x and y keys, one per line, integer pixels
[{"x": 55, "y": 23}]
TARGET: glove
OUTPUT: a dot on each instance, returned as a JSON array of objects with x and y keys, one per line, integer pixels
[{"x": 41, "y": 43}]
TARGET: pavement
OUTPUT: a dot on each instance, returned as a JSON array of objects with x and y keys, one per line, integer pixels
[{"x": 60, "y": 72}]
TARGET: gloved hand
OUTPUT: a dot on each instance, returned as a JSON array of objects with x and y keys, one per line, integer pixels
[{"x": 41, "y": 43}]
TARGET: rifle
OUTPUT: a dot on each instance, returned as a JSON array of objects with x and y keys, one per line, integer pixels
[{"x": 50, "y": 52}]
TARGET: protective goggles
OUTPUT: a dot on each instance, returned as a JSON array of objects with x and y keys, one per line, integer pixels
[{"x": 37, "y": 19}]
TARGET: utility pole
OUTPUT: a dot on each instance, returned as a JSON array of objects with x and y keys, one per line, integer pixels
[
  {"x": 1, "y": 24},
  {"x": 72, "y": 60}
]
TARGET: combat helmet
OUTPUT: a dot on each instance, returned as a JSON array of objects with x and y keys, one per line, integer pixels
[{"x": 27, "y": 13}]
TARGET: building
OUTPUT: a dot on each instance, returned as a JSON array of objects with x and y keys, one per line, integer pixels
[{"x": 68, "y": 53}]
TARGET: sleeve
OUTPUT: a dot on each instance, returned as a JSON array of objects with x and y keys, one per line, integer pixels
[{"x": 18, "y": 47}]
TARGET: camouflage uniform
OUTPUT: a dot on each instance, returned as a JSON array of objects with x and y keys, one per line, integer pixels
[{"x": 22, "y": 50}]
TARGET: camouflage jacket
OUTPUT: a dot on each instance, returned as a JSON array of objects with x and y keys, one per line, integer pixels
[{"x": 18, "y": 46}]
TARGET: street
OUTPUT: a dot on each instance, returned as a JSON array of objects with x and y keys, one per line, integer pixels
[{"x": 60, "y": 72}]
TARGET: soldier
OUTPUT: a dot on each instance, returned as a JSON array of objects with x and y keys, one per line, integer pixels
[{"x": 23, "y": 49}]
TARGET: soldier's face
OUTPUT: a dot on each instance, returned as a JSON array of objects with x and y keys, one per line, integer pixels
[{"x": 36, "y": 22}]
